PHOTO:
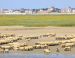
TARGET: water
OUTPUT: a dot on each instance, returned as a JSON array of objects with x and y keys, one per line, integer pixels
[{"x": 30, "y": 55}]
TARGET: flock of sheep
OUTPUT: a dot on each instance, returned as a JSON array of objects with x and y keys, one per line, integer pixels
[{"x": 10, "y": 42}]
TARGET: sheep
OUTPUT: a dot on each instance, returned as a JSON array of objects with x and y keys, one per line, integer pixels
[
  {"x": 68, "y": 45},
  {"x": 7, "y": 35},
  {"x": 21, "y": 48},
  {"x": 28, "y": 48},
  {"x": 67, "y": 49},
  {"x": 13, "y": 39},
  {"x": 37, "y": 46},
  {"x": 44, "y": 46},
  {"x": 47, "y": 35},
  {"x": 65, "y": 41},
  {"x": 52, "y": 34},
  {"x": 60, "y": 38},
  {"x": 40, "y": 46},
  {"x": 69, "y": 37},
  {"x": 54, "y": 43},
  {"x": 4, "y": 41},
  {"x": 72, "y": 40},
  {"x": 33, "y": 37},
  {"x": 47, "y": 51},
  {"x": 16, "y": 45},
  {"x": 6, "y": 47},
  {"x": 1, "y": 35},
  {"x": 6, "y": 51}
]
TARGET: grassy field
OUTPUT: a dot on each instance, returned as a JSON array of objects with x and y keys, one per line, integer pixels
[{"x": 39, "y": 20}]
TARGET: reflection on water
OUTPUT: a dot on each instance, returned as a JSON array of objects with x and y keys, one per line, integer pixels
[{"x": 19, "y": 55}]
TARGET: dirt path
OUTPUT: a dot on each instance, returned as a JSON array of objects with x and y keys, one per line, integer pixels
[{"x": 37, "y": 30}]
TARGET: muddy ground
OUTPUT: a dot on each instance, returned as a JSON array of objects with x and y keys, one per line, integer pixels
[{"x": 37, "y": 31}]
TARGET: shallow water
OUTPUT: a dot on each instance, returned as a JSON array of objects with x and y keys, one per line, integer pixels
[{"x": 33, "y": 55}]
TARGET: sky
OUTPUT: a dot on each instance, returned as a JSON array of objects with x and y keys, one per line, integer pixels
[{"x": 36, "y": 3}]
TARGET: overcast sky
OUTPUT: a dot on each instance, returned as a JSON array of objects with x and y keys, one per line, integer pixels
[{"x": 36, "y": 3}]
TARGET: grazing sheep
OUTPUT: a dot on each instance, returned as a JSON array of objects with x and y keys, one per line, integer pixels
[
  {"x": 4, "y": 41},
  {"x": 68, "y": 37},
  {"x": 45, "y": 35},
  {"x": 40, "y": 46},
  {"x": 68, "y": 45},
  {"x": 28, "y": 48},
  {"x": 21, "y": 48},
  {"x": 52, "y": 34},
  {"x": 14, "y": 45},
  {"x": 47, "y": 51},
  {"x": 6, "y": 47},
  {"x": 65, "y": 41},
  {"x": 1, "y": 35},
  {"x": 6, "y": 35},
  {"x": 37, "y": 46},
  {"x": 35, "y": 37},
  {"x": 18, "y": 44},
  {"x": 72, "y": 40},
  {"x": 60, "y": 38},
  {"x": 44, "y": 46},
  {"x": 6, "y": 51},
  {"x": 67, "y": 49},
  {"x": 13, "y": 39},
  {"x": 54, "y": 43}
]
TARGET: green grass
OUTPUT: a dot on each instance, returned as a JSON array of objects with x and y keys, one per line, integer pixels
[{"x": 39, "y": 20}]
